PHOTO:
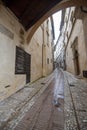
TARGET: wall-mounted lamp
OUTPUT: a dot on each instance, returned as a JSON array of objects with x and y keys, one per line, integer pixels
[{"x": 83, "y": 9}]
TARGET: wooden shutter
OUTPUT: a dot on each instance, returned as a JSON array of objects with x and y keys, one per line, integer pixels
[{"x": 23, "y": 63}]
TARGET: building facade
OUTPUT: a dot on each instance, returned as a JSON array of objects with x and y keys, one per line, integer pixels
[
  {"x": 75, "y": 40},
  {"x": 23, "y": 62},
  {"x": 60, "y": 46}
]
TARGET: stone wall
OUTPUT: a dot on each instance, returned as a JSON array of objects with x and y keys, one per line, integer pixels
[
  {"x": 10, "y": 37},
  {"x": 79, "y": 33},
  {"x": 35, "y": 49}
]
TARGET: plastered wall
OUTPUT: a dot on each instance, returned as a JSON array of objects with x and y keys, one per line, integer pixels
[
  {"x": 78, "y": 31},
  {"x": 9, "y": 39}
]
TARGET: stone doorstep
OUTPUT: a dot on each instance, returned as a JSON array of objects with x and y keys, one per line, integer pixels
[{"x": 15, "y": 110}]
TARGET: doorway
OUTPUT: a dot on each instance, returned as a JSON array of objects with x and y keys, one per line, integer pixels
[
  {"x": 76, "y": 63},
  {"x": 76, "y": 56}
]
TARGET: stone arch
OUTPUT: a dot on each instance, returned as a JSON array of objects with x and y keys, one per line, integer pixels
[{"x": 58, "y": 7}]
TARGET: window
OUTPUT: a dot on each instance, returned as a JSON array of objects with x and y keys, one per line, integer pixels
[
  {"x": 67, "y": 34},
  {"x": 47, "y": 32},
  {"x": 21, "y": 35},
  {"x": 47, "y": 60},
  {"x": 47, "y": 39},
  {"x": 66, "y": 19},
  {"x": 72, "y": 18}
]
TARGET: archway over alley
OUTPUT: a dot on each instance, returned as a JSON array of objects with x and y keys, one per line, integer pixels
[{"x": 62, "y": 5}]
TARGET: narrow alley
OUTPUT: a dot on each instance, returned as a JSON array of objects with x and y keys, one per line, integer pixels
[{"x": 43, "y": 65}]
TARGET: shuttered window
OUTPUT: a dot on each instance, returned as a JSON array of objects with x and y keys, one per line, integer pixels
[{"x": 23, "y": 63}]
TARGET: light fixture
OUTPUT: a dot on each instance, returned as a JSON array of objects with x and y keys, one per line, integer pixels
[{"x": 83, "y": 9}]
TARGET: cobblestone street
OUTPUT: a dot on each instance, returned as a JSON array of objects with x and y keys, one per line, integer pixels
[
  {"x": 44, "y": 115},
  {"x": 57, "y": 102},
  {"x": 75, "y": 102}
]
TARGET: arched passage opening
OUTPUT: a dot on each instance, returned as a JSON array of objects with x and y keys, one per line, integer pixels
[{"x": 58, "y": 7}]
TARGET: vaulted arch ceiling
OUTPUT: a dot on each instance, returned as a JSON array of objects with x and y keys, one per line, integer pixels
[
  {"x": 31, "y": 13},
  {"x": 61, "y": 5}
]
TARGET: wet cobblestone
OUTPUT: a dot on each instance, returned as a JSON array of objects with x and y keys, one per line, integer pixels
[
  {"x": 44, "y": 115},
  {"x": 14, "y": 108},
  {"x": 78, "y": 94}
]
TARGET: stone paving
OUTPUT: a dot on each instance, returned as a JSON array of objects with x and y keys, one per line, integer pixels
[
  {"x": 44, "y": 115},
  {"x": 75, "y": 106},
  {"x": 14, "y": 108}
]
